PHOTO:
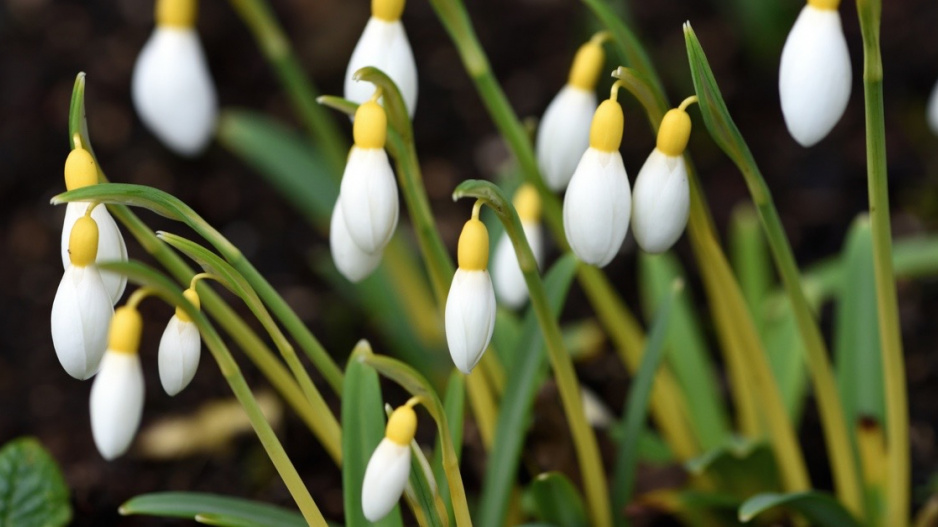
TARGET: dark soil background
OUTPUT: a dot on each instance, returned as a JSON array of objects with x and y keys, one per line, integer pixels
[{"x": 44, "y": 43}]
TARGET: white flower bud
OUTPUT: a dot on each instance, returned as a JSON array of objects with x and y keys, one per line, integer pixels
[
  {"x": 81, "y": 314},
  {"x": 369, "y": 198},
  {"x": 563, "y": 135},
  {"x": 173, "y": 90},
  {"x": 597, "y": 207},
  {"x": 111, "y": 247},
  {"x": 385, "y": 478},
  {"x": 180, "y": 348},
  {"x": 354, "y": 263},
  {"x": 933, "y": 110},
  {"x": 116, "y": 403},
  {"x": 660, "y": 201},
  {"x": 510, "y": 287},
  {"x": 470, "y": 317},
  {"x": 383, "y": 45},
  {"x": 814, "y": 77}
]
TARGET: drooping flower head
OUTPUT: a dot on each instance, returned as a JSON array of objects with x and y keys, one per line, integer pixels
[
  {"x": 116, "y": 402},
  {"x": 384, "y": 45},
  {"x": 510, "y": 287},
  {"x": 369, "y": 191},
  {"x": 563, "y": 134},
  {"x": 180, "y": 347},
  {"x": 661, "y": 200},
  {"x": 470, "y": 305},
  {"x": 81, "y": 170},
  {"x": 82, "y": 309},
  {"x": 389, "y": 466},
  {"x": 598, "y": 202},
  {"x": 172, "y": 87},
  {"x": 354, "y": 263},
  {"x": 815, "y": 76}
]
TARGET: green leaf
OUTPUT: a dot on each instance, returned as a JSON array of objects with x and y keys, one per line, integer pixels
[
  {"x": 637, "y": 404},
  {"x": 687, "y": 351},
  {"x": 786, "y": 354},
  {"x": 556, "y": 501},
  {"x": 363, "y": 427},
  {"x": 391, "y": 99},
  {"x": 750, "y": 257},
  {"x": 820, "y": 509},
  {"x": 421, "y": 490},
  {"x": 856, "y": 330},
  {"x": 514, "y": 415},
  {"x": 740, "y": 467},
  {"x": 454, "y": 405},
  {"x": 33, "y": 492},
  {"x": 285, "y": 159},
  {"x": 215, "y": 509}
]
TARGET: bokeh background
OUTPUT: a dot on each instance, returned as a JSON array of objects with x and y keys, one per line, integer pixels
[{"x": 44, "y": 43}]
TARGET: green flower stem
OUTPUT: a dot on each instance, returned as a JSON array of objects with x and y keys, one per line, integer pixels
[
  {"x": 590, "y": 462},
  {"x": 611, "y": 310},
  {"x": 897, "y": 412},
  {"x": 259, "y": 18}
]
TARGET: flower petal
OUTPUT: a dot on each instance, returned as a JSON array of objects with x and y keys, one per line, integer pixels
[
  {"x": 369, "y": 198},
  {"x": 510, "y": 287},
  {"x": 383, "y": 45},
  {"x": 660, "y": 201},
  {"x": 469, "y": 317},
  {"x": 173, "y": 90},
  {"x": 563, "y": 135},
  {"x": 81, "y": 315},
  {"x": 597, "y": 207},
  {"x": 116, "y": 403},
  {"x": 180, "y": 349},
  {"x": 385, "y": 479},
  {"x": 354, "y": 263}
]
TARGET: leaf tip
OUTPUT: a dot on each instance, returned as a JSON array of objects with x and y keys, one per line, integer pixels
[
  {"x": 56, "y": 200},
  {"x": 123, "y": 510}
]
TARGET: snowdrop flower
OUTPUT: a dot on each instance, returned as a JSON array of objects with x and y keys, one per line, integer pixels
[
  {"x": 354, "y": 263},
  {"x": 661, "y": 201},
  {"x": 369, "y": 191},
  {"x": 563, "y": 134},
  {"x": 933, "y": 110},
  {"x": 180, "y": 347},
  {"x": 598, "y": 202},
  {"x": 82, "y": 308},
  {"x": 384, "y": 45},
  {"x": 81, "y": 171},
  {"x": 172, "y": 87},
  {"x": 117, "y": 394},
  {"x": 470, "y": 306},
  {"x": 510, "y": 287},
  {"x": 814, "y": 77},
  {"x": 389, "y": 467}
]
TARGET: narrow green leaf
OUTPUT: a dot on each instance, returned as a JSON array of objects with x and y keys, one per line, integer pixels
[
  {"x": 422, "y": 489},
  {"x": 820, "y": 509},
  {"x": 514, "y": 415},
  {"x": 225, "y": 520},
  {"x": 857, "y": 352},
  {"x": 637, "y": 404},
  {"x": 454, "y": 405},
  {"x": 392, "y": 101},
  {"x": 687, "y": 353},
  {"x": 363, "y": 424},
  {"x": 786, "y": 354},
  {"x": 285, "y": 159},
  {"x": 233, "y": 511},
  {"x": 556, "y": 501},
  {"x": 750, "y": 257},
  {"x": 33, "y": 492}
]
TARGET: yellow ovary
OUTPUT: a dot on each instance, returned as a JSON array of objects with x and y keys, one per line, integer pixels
[
  {"x": 126, "y": 327},
  {"x": 402, "y": 425}
]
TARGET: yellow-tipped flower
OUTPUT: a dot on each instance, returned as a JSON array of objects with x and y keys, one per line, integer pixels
[
  {"x": 563, "y": 134},
  {"x": 172, "y": 87},
  {"x": 180, "y": 349},
  {"x": 661, "y": 199},
  {"x": 598, "y": 202},
  {"x": 814, "y": 78},
  {"x": 470, "y": 305},
  {"x": 117, "y": 394},
  {"x": 389, "y": 466},
  {"x": 384, "y": 45},
  {"x": 82, "y": 309},
  {"x": 81, "y": 171},
  {"x": 510, "y": 287}
]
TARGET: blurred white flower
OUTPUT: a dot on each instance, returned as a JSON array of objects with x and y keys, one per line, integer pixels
[
  {"x": 510, "y": 287},
  {"x": 116, "y": 402},
  {"x": 470, "y": 305},
  {"x": 369, "y": 191},
  {"x": 180, "y": 349},
  {"x": 933, "y": 110},
  {"x": 384, "y": 45},
  {"x": 354, "y": 263},
  {"x": 82, "y": 309},
  {"x": 389, "y": 467},
  {"x": 597, "y": 205},
  {"x": 815, "y": 76},
  {"x": 172, "y": 87},
  {"x": 563, "y": 134},
  {"x": 661, "y": 200}
]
